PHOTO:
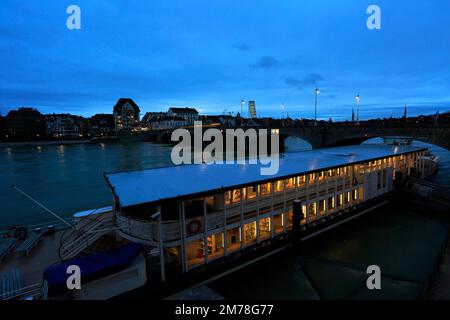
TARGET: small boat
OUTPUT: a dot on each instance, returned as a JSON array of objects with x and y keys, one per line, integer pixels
[
  {"x": 430, "y": 165},
  {"x": 123, "y": 267}
]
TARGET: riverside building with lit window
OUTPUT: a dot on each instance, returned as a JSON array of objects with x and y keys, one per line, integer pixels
[
  {"x": 126, "y": 114},
  {"x": 199, "y": 214}
]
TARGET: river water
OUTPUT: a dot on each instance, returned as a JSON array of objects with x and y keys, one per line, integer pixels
[{"x": 66, "y": 178}]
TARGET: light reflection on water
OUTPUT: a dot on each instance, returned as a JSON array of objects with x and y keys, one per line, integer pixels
[{"x": 66, "y": 178}]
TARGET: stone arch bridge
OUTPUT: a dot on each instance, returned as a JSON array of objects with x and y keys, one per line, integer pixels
[{"x": 337, "y": 135}]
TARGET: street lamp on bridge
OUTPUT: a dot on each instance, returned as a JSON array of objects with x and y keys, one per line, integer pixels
[
  {"x": 358, "y": 98},
  {"x": 315, "y": 105}
]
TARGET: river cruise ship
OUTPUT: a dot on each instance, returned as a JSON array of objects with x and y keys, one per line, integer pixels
[
  {"x": 170, "y": 223},
  {"x": 197, "y": 214}
]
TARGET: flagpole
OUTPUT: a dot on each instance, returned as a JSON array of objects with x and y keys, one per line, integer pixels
[{"x": 42, "y": 206}]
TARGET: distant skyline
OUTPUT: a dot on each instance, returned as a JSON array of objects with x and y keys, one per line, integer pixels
[{"x": 212, "y": 54}]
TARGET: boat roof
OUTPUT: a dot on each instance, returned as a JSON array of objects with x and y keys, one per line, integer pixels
[
  {"x": 132, "y": 188},
  {"x": 86, "y": 213}
]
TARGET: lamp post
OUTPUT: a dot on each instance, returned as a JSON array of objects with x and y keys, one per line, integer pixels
[
  {"x": 315, "y": 106},
  {"x": 158, "y": 216},
  {"x": 242, "y": 108},
  {"x": 358, "y": 98}
]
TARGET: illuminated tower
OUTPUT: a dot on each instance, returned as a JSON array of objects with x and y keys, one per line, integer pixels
[{"x": 252, "y": 109}]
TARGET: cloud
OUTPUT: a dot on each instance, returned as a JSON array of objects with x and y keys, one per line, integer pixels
[
  {"x": 309, "y": 79},
  {"x": 266, "y": 62},
  {"x": 242, "y": 46}
]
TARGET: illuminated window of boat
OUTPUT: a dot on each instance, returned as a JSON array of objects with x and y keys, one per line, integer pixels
[
  {"x": 347, "y": 197},
  {"x": 330, "y": 203},
  {"x": 264, "y": 228},
  {"x": 322, "y": 204},
  {"x": 250, "y": 233},
  {"x": 228, "y": 198},
  {"x": 278, "y": 224},
  {"x": 172, "y": 256},
  {"x": 312, "y": 209},
  {"x": 233, "y": 239},
  {"x": 340, "y": 199},
  {"x": 279, "y": 186},
  {"x": 251, "y": 192},
  {"x": 301, "y": 180},
  {"x": 236, "y": 196},
  {"x": 195, "y": 253},
  {"x": 265, "y": 189},
  {"x": 290, "y": 183},
  {"x": 289, "y": 219},
  {"x": 215, "y": 246}
]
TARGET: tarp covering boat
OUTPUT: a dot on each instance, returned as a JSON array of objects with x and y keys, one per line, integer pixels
[{"x": 94, "y": 266}]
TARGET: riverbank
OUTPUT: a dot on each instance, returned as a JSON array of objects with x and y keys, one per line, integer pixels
[{"x": 42, "y": 143}]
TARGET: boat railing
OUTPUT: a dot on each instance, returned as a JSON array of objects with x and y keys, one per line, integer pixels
[
  {"x": 55, "y": 224},
  {"x": 147, "y": 231},
  {"x": 30, "y": 292},
  {"x": 87, "y": 230}
]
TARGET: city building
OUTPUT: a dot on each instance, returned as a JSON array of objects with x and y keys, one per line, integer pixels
[
  {"x": 2, "y": 127},
  {"x": 101, "y": 124},
  {"x": 230, "y": 209},
  {"x": 151, "y": 116},
  {"x": 188, "y": 114},
  {"x": 227, "y": 120},
  {"x": 167, "y": 123},
  {"x": 63, "y": 126},
  {"x": 252, "y": 109},
  {"x": 25, "y": 123},
  {"x": 126, "y": 114}
]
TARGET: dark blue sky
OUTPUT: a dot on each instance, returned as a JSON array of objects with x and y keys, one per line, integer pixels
[{"x": 211, "y": 54}]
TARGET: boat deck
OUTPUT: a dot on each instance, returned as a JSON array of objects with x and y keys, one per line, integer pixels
[{"x": 31, "y": 267}]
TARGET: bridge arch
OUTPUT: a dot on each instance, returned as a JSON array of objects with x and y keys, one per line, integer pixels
[
  {"x": 326, "y": 136},
  {"x": 296, "y": 144}
]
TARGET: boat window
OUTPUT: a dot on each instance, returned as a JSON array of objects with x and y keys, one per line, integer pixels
[
  {"x": 279, "y": 186},
  {"x": 233, "y": 239},
  {"x": 265, "y": 189},
  {"x": 301, "y": 180},
  {"x": 322, "y": 204},
  {"x": 228, "y": 198},
  {"x": 236, "y": 196},
  {"x": 264, "y": 228},
  {"x": 278, "y": 224},
  {"x": 251, "y": 192},
  {"x": 250, "y": 233},
  {"x": 195, "y": 253},
  {"x": 289, "y": 219},
  {"x": 330, "y": 203},
  {"x": 215, "y": 246},
  {"x": 290, "y": 183}
]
